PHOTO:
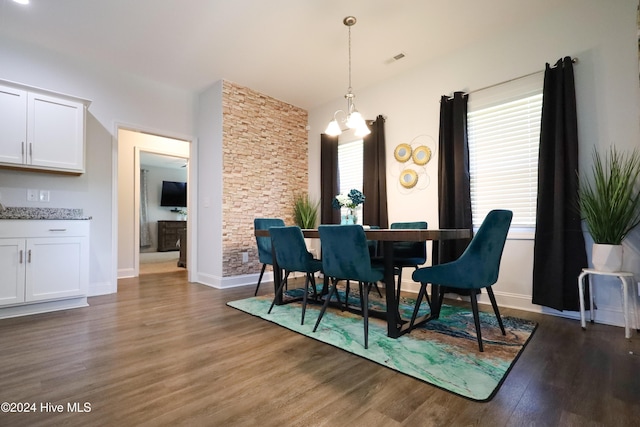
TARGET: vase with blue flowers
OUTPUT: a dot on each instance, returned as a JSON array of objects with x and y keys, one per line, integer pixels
[{"x": 350, "y": 201}]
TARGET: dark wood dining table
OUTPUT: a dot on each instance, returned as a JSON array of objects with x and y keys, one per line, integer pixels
[{"x": 396, "y": 326}]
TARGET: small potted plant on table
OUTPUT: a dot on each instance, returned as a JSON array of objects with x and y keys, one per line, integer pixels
[{"x": 610, "y": 205}]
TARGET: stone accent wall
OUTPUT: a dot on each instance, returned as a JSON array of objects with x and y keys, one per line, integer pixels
[{"x": 265, "y": 163}]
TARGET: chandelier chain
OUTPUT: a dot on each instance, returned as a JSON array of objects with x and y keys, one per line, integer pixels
[{"x": 349, "y": 59}]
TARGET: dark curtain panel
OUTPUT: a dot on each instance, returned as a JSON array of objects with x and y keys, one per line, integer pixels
[
  {"x": 329, "y": 180},
  {"x": 559, "y": 250},
  {"x": 454, "y": 187},
  {"x": 374, "y": 210}
]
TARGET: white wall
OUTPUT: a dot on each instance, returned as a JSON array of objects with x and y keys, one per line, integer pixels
[
  {"x": 116, "y": 98},
  {"x": 209, "y": 182},
  {"x": 602, "y": 35}
]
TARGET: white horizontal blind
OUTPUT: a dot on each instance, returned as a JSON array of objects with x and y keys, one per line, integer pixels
[
  {"x": 350, "y": 167},
  {"x": 503, "y": 124}
]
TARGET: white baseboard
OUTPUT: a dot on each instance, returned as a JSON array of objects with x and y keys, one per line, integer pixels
[
  {"x": 126, "y": 273},
  {"x": 103, "y": 288},
  {"x": 42, "y": 307},
  {"x": 234, "y": 281}
]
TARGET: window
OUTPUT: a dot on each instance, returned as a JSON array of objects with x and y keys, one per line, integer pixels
[
  {"x": 350, "y": 171},
  {"x": 503, "y": 125}
]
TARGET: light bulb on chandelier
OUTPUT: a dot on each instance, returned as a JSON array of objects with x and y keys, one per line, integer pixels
[{"x": 351, "y": 118}]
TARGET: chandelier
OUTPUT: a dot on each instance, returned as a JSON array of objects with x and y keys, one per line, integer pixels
[{"x": 351, "y": 118}]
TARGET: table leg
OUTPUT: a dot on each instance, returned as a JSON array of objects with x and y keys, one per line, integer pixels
[
  {"x": 581, "y": 297},
  {"x": 393, "y": 331},
  {"x": 277, "y": 278},
  {"x": 634, "y": 302},
  {"x": 591, "y": 299},
  {"x": 625, "y": 306}
]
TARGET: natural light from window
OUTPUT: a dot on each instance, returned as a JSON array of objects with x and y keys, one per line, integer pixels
[{"x": 504, "y": 134}]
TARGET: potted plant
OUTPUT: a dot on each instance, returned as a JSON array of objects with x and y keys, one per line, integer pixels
[
  {"x": 610, "y": 205},
  {"x": 305, "y": 211}
]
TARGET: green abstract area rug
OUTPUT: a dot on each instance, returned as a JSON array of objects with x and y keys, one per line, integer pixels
[{"x": 443, "y": 352}]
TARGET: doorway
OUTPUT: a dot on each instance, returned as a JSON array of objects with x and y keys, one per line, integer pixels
[
  {"x": 163, "y": 213},
  {"x": 132, "y": 145}
]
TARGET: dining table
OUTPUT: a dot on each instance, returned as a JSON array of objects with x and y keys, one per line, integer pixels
[{"x": 396, "y": 326}]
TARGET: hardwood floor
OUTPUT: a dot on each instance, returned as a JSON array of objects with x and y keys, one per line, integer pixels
[{"x": 163, "y": 351}]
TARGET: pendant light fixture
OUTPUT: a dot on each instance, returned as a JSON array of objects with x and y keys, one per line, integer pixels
[{"x": 352, "y": 118}]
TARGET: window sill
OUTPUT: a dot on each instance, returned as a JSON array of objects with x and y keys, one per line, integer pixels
[{"x": 518, "y": 233}]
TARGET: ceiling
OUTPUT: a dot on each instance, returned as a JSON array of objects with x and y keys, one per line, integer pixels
[
  {"x": 162, "y": 161},
  {"x": 292, "y": 50}
]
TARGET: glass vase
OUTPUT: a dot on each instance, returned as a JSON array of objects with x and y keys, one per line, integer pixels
[{"x": 350, "y": 218}]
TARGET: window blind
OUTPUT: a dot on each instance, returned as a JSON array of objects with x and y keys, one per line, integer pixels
[
  {"x": 503, "y": 124},
  {"x": 350, "y": 166}
]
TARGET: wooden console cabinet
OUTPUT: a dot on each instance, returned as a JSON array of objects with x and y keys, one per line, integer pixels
[{"x": 169, "y": 235}]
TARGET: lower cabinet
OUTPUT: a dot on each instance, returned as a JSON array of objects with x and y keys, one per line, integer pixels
[{"x": 50, "y": 262}]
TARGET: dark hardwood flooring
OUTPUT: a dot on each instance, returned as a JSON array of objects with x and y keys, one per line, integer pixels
[{"x": 165, "y": 352}]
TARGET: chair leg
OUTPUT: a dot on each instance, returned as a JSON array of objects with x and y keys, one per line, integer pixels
[
  {"x": 313, "y": 284},
  {"x": 346, "y": 295},
  {"x": 326, "y": 304},
  {"x": 476, "y": 317},
  {"x": 495, "y": 309},
  {"x": 304, "y": 297},
  {"x": 365, "y": 312},
  {"x": 377, "y": 289},
  {"x": 260, "y": 279},
  {"x": 277, "y": 293},
  {"x": 361, "y": 290}
]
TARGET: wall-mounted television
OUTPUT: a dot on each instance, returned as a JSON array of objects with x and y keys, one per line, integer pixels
[{"x": 174, "y": 194}]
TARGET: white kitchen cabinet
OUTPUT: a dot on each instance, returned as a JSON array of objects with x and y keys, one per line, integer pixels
[
  {"x": 12, "y": 265},
  {"x": 41, "y": 129},
  {"x": 43, "y": 262},
  {"x": 13, "y": 124}
]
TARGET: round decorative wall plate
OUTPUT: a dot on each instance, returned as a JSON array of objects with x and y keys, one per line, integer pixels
[
  {"x": 402, "y": 152},
  {"x": 421, "y": 155},
  {"x": 408, "y": 178}
]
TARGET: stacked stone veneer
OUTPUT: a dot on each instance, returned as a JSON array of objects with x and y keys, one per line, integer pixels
[{"x": 265, "y": 163}]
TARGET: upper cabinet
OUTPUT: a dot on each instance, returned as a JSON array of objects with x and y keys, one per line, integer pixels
[{"x": 41, "y": 130}]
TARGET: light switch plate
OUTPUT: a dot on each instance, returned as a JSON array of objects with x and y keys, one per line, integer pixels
[
  {"x": 44, "y": 195},
  {"x": 32, "y": 195}
]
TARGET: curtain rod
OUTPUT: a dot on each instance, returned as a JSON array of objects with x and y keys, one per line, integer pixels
[{"x": 573, "y": 61}]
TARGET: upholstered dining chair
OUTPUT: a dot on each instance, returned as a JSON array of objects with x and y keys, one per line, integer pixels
[
  {"x": 408, "y": 254},
  {"x": 345, "y": 256},
  {"x": 264, "y": 244},
  {"x": 373, "y": 253},
  {"x": 476, "y": 268},
  {"x": 292, "y": 255}
]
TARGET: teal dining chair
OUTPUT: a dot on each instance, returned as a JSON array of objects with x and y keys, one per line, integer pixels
[
  {"x": 292, "y": 255},
  {"x": 408, "y": 254},
  {"x": 264, "y": 244},
  {"x": 345, "y": 256},
  {"x": 477, "y": 268}
]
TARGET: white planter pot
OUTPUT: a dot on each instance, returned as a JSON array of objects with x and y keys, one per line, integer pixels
[
  {"x": 309, "y": 243},
  {"x": 606, "y": 257}
]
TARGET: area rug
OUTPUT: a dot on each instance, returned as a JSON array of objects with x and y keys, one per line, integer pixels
[{"x": 443, "y": 352}]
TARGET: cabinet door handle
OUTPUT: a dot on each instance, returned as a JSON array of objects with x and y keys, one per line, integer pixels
[
  {"x": 57, "y": 229},
  {"x": 29, "y": 256},
  {"x": 31, "y": 150},
  {"x": 22, "y": 151},
  {"x": 21, "y": 252}
]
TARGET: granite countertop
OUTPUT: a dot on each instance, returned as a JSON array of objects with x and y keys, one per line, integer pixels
[{"x": 42, "y": 213}]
